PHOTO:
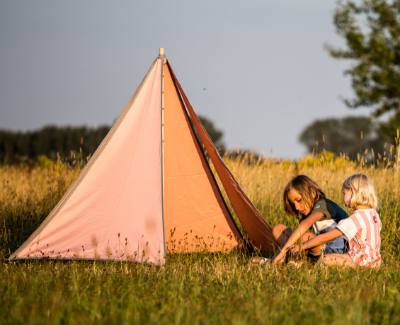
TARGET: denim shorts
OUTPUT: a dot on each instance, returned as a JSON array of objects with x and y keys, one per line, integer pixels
[{"x": 336, "y": 245}]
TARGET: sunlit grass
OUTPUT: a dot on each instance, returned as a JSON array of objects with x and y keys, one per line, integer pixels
[{"x": 199, "y": 288}]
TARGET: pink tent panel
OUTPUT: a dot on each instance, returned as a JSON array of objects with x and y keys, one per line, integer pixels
[{"x": 114, "y": 210}]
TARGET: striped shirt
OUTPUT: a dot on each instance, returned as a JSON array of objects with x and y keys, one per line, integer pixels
[{"x": 362, "y": 230}]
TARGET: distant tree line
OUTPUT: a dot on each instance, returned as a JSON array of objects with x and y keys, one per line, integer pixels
[
  {"x": 348, "y": 136},
  {"x": 66, "y": 143},
  {"x": 51, "y": 141}
]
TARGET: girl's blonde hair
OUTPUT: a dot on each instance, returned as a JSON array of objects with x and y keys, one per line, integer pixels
[
  {"x": 307, "y": 188},
  {"x": 362, "y": 189}
]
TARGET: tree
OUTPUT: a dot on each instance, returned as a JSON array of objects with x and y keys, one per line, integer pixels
[
  {"x": 388, "y": 130},
  {"x": 371, "y": 29},
  {"x": 349, "y": 135}
]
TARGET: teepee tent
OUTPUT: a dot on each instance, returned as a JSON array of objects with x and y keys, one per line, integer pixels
[{"x": 149, "y": 189}]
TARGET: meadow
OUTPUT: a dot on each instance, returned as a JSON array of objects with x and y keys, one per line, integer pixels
[{"x": 200, "y": 288}]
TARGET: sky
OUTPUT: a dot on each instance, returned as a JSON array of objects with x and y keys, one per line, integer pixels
[{"x": 257, "y": 69}]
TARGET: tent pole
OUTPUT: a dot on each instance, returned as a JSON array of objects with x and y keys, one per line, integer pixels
[{"x": 163, "y": 62}]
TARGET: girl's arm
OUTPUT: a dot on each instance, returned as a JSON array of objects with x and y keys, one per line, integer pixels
[
  {"x": 297, "y": 233},
  {"x": 317, "y": 240}
]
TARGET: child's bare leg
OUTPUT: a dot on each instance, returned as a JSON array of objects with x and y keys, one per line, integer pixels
[
  {"x": 281, "y": 234},
  {"x": 308, "y": 236},
  {"x": 339, "y": 260},
  {"x": 316, "y": 251}
]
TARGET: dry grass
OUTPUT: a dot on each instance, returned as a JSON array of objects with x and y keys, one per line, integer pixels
[{"x": 203, "y": 288}]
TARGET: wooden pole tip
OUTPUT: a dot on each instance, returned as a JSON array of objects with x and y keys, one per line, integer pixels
[{"x": 161, "y": 51}]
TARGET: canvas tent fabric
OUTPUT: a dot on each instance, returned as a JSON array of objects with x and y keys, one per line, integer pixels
[
  {"x": 192, "y": 202},
  {"x": 257, "y": 229},
  {"x": 94, "y": 219},
  {"x": 149, "y": 189}
]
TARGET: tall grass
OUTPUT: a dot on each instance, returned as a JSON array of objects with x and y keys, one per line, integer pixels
[
  {"x": 202, "y": 288},
  {"x": 264, "y": 180}
]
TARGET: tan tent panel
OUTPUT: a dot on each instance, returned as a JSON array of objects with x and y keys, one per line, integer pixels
[
  {"x": 257, "y": 229},
  {"x": 194, "y": 210}
]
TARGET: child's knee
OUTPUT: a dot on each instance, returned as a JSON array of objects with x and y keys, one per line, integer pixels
[
  {"x": 278, "y": 230},
  {"x": 305, "y": 237}
]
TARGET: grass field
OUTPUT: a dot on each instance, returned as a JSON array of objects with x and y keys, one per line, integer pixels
[{"x": 203, "y": 288}]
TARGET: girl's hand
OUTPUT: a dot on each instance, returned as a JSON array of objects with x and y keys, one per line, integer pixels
[
  {"x": 279, "y": 258},
  {"x": 295, "y": 249}
]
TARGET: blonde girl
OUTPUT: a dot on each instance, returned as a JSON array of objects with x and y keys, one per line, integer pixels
[
  {"x": 304, "y": 198},
  {"x": 362, "y": 229}
]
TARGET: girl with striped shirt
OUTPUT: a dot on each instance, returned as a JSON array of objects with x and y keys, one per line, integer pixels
[{"x": 362, "y": 229}]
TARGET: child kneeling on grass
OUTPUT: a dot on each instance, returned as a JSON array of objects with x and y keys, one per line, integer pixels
[{"x": 362, "y": 229}]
